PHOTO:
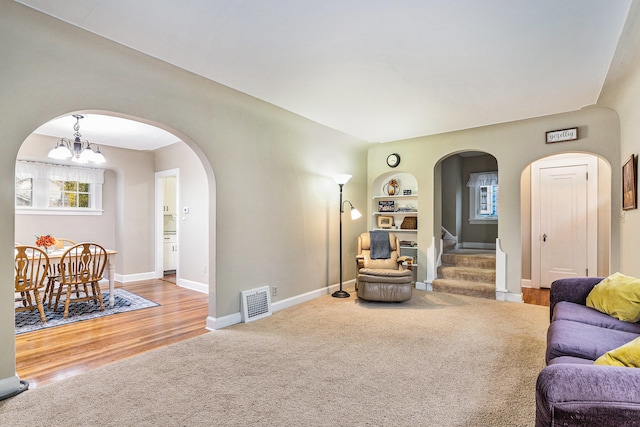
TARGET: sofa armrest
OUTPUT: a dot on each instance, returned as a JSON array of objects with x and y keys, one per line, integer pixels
[
  {"x": 579, "y": 395},
  {"x": 573, "y": 289}
]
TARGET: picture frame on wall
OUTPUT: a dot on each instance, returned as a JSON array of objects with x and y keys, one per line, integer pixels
[
  {"x": 385, "y": 221},
  {"x": 629, "y": 179}
]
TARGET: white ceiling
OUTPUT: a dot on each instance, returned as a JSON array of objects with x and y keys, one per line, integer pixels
[
  {"x": 380, "y": 70},
  {"x": 109, "y": 130}
]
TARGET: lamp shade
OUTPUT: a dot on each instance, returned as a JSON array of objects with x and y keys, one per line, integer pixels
[
  {"x": 341, "y": 179},
  {"x": 60, "y": 152},
  {"x": 355, "y": 213}
]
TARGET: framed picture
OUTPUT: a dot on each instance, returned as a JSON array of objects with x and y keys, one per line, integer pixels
[
  {"x": 629, "y": 196},
  {"x": 386, "y": 206},
  {"x": 385, "y": 221}
]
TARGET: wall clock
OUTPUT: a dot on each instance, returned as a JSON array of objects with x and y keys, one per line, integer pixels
[{"x": 393, "y": 160}]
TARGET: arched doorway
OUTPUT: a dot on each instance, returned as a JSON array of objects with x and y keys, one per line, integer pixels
[
  {"x": 466, "y": 219},
  {"x": 566, "y": 218},
  {"x": 128, "y": 209}
]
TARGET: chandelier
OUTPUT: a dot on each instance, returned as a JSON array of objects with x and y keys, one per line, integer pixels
[{"x": 78, "y": 151}]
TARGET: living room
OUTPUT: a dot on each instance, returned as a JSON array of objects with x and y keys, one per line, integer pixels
[{"x": 269, "y": 171}]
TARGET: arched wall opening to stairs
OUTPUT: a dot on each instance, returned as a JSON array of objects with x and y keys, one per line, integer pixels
[{"x": 466, "y": 219}]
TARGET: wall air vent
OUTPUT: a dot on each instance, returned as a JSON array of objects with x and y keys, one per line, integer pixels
[{"x": 256, "y": 304}]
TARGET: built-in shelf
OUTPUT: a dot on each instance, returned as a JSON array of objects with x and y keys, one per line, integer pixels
[
  {"x": 398, "y": 205},
  {"x": 400, "y": 196}
]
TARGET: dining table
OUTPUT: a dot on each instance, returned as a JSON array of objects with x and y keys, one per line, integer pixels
[{"x": 55, "y": 256}]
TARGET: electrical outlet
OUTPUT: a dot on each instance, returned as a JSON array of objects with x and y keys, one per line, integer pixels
[{"x": 275, "y": 291}]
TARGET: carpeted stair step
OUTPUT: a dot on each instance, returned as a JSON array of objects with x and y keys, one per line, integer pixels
[
  {"x": 463, "y": 287},
  {"x": 468, "y": 258},
  {"x": 468, "y": 274}
]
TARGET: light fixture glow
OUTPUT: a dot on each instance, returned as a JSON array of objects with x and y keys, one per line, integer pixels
[
  {"x": 341, "y": 179},
  {"x": 355, "y": 213},
  {"x": 79, "y": 151}
]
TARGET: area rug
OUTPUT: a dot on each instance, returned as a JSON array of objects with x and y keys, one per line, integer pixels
[{"x": 28, "y": 321}]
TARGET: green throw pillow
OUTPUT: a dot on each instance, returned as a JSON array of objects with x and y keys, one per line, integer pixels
[
  {"x": 618, "y": 296},
  {"x": 626, "y": 355}
]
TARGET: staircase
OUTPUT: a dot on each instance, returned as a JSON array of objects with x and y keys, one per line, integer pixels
[{"x": 467, "y": 272}]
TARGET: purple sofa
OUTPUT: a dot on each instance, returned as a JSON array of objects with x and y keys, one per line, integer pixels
[{"x": 571, "y": 390}]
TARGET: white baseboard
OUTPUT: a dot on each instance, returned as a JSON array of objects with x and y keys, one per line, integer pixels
[
  {"x": 214, "y": 323},
  {"x": 424, "y": 286},
  {"x": 126, "y": 278},
  {"x": 508, "y": 296},
  {"x": 194, "y": 286},
  {"x": 188, "y": 284}
]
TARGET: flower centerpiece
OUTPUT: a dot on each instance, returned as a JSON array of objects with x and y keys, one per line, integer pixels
[{"x": 47, "y": 242}]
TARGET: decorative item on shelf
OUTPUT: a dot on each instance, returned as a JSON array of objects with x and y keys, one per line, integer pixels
[
  {"x": 392, "y": 188},
  {"x": 78, "y": 151},
  {"x": 385, "y": 221},
  {"x": 46, "y": 241},
  {"x": 409, "y": 223},
  {"x": 407, "y": 192},
  {"x": 404, "y": 209},
  {"x": 386, "y": 206}
]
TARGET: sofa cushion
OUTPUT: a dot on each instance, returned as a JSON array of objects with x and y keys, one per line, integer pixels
[
  {"x": 565, "y": 310},
  {"x": 626, "y": 355},
  {"x": 618, "y": 296},
  {"x": 570, "y": 359},
  {"x": 568, "y": 338}
]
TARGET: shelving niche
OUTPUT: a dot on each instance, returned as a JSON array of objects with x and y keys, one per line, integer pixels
[{"x": 392, "y": 210}]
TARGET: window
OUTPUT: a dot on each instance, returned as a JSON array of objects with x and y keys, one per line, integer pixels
[
  {"x": 24, "y": 192},
  {"x": 69, "y": 194},
  {"x": 483, "y": 197},
  {"x": 43, "y": 188}
]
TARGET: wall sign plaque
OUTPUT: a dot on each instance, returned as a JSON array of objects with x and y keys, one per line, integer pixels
[{"x": 561, "y": 135}]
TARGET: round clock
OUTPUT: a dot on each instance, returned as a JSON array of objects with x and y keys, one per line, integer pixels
[{"x": 393, "y": 160}]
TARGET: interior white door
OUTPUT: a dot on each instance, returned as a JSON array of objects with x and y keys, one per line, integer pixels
[{"x": 564, "y": 236}]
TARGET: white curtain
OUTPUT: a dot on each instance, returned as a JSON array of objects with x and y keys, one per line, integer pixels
[
  {"x": 484, "y": 178},
  {"x": 53, "y": 172}
]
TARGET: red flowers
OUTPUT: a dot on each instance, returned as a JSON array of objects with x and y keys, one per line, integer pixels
[{"x": 45, "y": 241}]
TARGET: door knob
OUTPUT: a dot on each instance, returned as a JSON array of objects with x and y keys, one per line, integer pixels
[{"x": 544, "y": 237}]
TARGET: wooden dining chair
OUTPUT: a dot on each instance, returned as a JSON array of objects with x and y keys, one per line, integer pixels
[
  {"x": 81, "y": 268},
  {"x": 31, "y": 269},
  {"x": 64, "y": 243},
  {"x": 54, "y": 272}
]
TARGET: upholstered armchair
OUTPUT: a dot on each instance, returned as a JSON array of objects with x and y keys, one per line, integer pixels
[{"x": 382, "y": 279}]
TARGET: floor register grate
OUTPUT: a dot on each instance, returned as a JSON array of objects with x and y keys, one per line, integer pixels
[{"x": 256, "y": 304}]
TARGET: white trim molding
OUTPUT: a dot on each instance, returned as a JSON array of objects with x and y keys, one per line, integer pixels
[
  {"x": 214, "y": 323},
  {"x": 194, "y": 286}
]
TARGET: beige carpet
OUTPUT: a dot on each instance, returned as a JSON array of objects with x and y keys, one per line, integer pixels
[{"x": 437, "y": 360}]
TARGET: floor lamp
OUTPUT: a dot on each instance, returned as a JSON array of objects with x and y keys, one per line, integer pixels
[{"x": 341, "y": 180}]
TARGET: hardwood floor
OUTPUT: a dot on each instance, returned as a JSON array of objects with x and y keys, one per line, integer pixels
[
  {"x": 536, "y": 296},
  {"x": 53, "y": 354},
  {"x": 46, "y": 356}
]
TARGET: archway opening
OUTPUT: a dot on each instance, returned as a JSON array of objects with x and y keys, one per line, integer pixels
[
  {"x": 565, "y": 210},
  {"x": 466, "y": 215},
  {"x": 126, "y": 219}
]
